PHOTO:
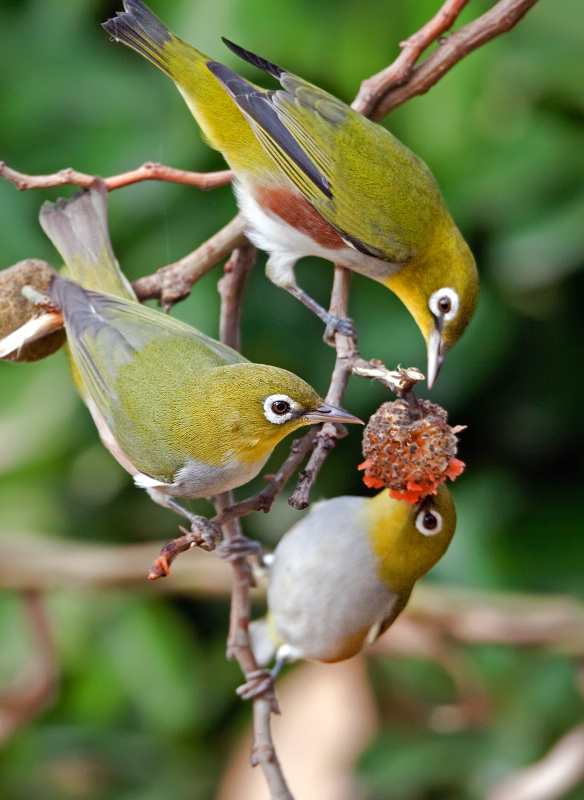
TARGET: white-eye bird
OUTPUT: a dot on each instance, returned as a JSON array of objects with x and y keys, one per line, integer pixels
[
  {"x": 186, "y": 415},
  {"x": 340, "y": 577},
  {"x": 314, "y": 177}
]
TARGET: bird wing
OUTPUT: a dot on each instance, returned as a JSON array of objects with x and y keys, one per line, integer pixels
[
  {"x": 342, "y": 163},
  {"x": 106, "y": 332}
]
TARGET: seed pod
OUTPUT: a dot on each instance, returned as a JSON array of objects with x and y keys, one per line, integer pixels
[
  {"x": 412, "y": 453},
  {"x": 15, "y": 309}
]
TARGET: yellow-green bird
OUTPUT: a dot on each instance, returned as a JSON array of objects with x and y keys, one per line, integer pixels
[
  {"x": 341, "y": 576},
  {"x": 186, "y": 415},
  {"x": 314, "y": 177}
]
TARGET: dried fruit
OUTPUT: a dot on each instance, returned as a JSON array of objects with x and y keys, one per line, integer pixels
[
  {"x": 15, "y": 309},
  {"x": 411, "y": 450}
]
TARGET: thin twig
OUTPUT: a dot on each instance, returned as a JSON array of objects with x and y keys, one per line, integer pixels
[
  {"x": 376, "y": 102},
  {"x": 346, "y": 348},
  {"x": 413, "y": 47},
  {"x": 241, "y": 261},
  {"x": 235, "y": 544},
  {"x": 147, "y": 172},
  {"x": 263, "y": 500}
]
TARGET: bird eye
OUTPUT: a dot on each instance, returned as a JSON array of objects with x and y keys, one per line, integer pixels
[
  {"x": 429, "y": 522},
  {"x": 444, "y": 303},
  {"x": 279, "y": 408}
]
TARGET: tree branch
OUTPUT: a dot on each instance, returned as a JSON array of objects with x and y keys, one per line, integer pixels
[
  {"x": 150, "y": 171},
  {"x": 392, "y": 87},
  {"x": 236, "y": 547}
]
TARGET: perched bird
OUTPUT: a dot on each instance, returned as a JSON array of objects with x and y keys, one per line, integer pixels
[
  {"x": 314, "y": 177},
  {"x": 340, "y": 577},
  {"x": 184, "y": 414}
]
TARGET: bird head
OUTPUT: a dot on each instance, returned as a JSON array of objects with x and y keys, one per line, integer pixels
[
  {"x": 409, "y": 539},
  {"x": 439, "y": 287},
  {"x": 255, "y": 406}
]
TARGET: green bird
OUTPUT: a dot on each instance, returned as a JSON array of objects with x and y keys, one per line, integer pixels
[
  {"x": 341, "y": 576},
  {"x": 314, "y": 177},
  {"x": 186, "y": 415}
]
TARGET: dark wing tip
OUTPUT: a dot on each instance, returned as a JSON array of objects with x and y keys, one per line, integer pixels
[{"x": 257, "y": 61}]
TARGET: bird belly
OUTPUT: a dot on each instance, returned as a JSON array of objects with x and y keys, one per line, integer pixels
[
  {"x": 286, "y": 226},
  {"x": 196, "y": 479},
  {"x": 309, "y": 611}
]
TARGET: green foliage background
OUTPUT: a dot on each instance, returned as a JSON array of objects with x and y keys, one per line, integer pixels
[{"x": 147, "y": 703}]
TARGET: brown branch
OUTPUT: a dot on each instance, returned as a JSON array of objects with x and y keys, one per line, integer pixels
[
  {"x": 236, "y": 546},
  {"x": 37, "y": 684},
  {"x": 231, "y": 288},
  {"x": 263, "y": 500},
  {"x": 378, "y": 96},
  {"x": 148, "y": 171},
  {"x": 346, "y": 348},
  {"x": 399, "y": 71}
]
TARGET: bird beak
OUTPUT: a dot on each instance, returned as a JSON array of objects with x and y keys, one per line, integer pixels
[
  {"x": 326, "y": 413},
  {"x": 436, "y": 353}
]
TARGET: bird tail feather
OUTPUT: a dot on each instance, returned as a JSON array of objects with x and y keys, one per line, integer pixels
[
  {"x": 78, "y": 228},
  {"x": 139, "y": 28}
]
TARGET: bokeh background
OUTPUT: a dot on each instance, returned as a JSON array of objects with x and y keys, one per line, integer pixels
[{"x": 146, "y": 705}]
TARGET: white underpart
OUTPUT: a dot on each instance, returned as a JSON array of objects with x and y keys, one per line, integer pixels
[
  {"x": 285, "y": 245},
  {"x": 196, "y": 479},
  {"x": 328, "y": 549}
]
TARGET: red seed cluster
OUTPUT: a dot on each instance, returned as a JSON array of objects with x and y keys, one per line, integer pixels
[{"x": 412, "y": 453}]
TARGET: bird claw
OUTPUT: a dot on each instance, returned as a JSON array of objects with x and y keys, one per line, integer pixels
[
  {"x": 238, "y": 547},
  {"x": 205, "y": 533},
  {"x": 259, "y": 683},
  {"x": 342, "y": 325}
]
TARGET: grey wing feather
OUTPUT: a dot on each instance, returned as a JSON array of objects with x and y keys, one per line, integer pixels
[{"x": 260, "y": 109}]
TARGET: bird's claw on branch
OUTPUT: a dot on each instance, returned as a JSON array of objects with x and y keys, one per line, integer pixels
[
  {"x": 259, "y": 683},
  {"x": 239, "y": 546},
  {"x": 342, "y": 325}
]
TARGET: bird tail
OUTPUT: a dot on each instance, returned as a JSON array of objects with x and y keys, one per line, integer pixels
[
  {"x": 223, "y": 125},
  {"x": 78, "y": 228},
  {"x": 139, "y": 28}
]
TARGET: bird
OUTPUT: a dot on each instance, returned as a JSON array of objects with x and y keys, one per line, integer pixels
[
  {"x": 184, "y": 414},
  {"x": 314, "y": 177},
  {"x": 341, "y": 576}
]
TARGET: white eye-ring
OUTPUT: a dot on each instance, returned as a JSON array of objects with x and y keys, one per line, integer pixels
[
  {"x": 279, "y": 408},
  {"x": 429, "y": 522},
  {"x": 444, "y": 303}
]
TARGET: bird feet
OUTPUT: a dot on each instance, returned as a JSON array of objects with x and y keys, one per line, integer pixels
[
  {"x": 240, "y": 546},
  {"x": 342, "y": 325},
  {"x": 259, "y": 683}
]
